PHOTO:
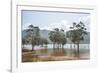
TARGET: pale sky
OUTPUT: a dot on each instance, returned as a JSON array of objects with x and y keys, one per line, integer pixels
[{"x": 51, "y": 20}]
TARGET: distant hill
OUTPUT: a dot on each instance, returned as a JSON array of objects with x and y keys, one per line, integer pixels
[{"x": 45, "y": 34}]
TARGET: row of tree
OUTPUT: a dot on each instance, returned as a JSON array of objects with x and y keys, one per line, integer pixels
[{"x": 57, "y": 36}]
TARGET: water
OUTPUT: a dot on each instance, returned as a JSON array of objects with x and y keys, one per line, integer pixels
[{"x": 66, "y": 46}]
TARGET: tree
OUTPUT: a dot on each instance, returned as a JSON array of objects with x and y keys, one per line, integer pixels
[
  {"x": 33, "y": 36},
  {"x": 30, "y": 38},
  {"x": 62, "y": 40},
  {"x": 78, "y": 31},
  {"x": 52, "y": 37},
  {"x": 23, "y": 42},
  {"x": 58, "y": 37},
  {"x": 69, "y": 35},
  {"x": 44, "y": 42}
]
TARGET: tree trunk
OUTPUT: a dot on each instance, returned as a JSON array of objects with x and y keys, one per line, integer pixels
[
  {"x": 32, "y": 47},
  {"x": 71, "y": 49},
  {"x": 78, "y": 51},
  {"x": 54, "y": 47},
  {"x": 32, "y": 43},
  {"x": 46, "y": 48},
  {"x": 75, "y": 51},
  {"x": 63, "y": 50},
  {"x": 58, "y": 48}
]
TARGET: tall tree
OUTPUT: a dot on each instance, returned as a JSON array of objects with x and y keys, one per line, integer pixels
[
  {"x": 30, "y": 32},
  {"x": 58, "y": 37},
  {"x": 69, "y": 35},
  {"x": 33, "y": 35},
  {"x": 62, "y": 39},
  {"x": 52, "y": 38},
  {"x": 78, "y": 31}
]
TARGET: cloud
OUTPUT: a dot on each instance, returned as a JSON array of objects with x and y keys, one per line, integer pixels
[
  {"x": 45, "y": 28},
  {"x": 25, "y": 26},
  {"x": 63, "y": 24}
]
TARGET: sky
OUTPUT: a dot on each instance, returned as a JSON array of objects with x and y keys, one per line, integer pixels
[{"x": 50, "y": 20}]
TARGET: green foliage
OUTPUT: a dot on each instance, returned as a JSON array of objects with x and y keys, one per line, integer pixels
[
  {"x": 58, "y": 36},
  {"x": 77, "y": 32},
  {"x": 43, "y": 41},
  {"x": 33, "y": 36}
]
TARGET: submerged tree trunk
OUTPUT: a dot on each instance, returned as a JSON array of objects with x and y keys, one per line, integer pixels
[
  {"x": 32, "y": 47},
  {"x": 63, "y": 50},
  {"x": 32, "y": 42},
  {"x": 71, "y": 48},
  {"x": 78, "y": 51},
  {"x": 58, "y": 48},
  {"x": 75, "y": 52},
  {"x": 54, "y": 47},
  {"x": 46, "y": 50}
]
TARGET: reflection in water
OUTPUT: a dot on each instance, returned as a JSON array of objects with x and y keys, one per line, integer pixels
[{"x": 66, "y": 46}]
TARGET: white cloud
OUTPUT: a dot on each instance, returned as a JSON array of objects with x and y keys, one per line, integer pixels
[
  {"x": 45, "y": 28},
  {"x": 63, "y": 24},
  {"x": 25, "y": 26}
]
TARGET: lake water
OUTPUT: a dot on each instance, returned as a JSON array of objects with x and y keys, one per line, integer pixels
[{"x": 66, "y": 46}]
